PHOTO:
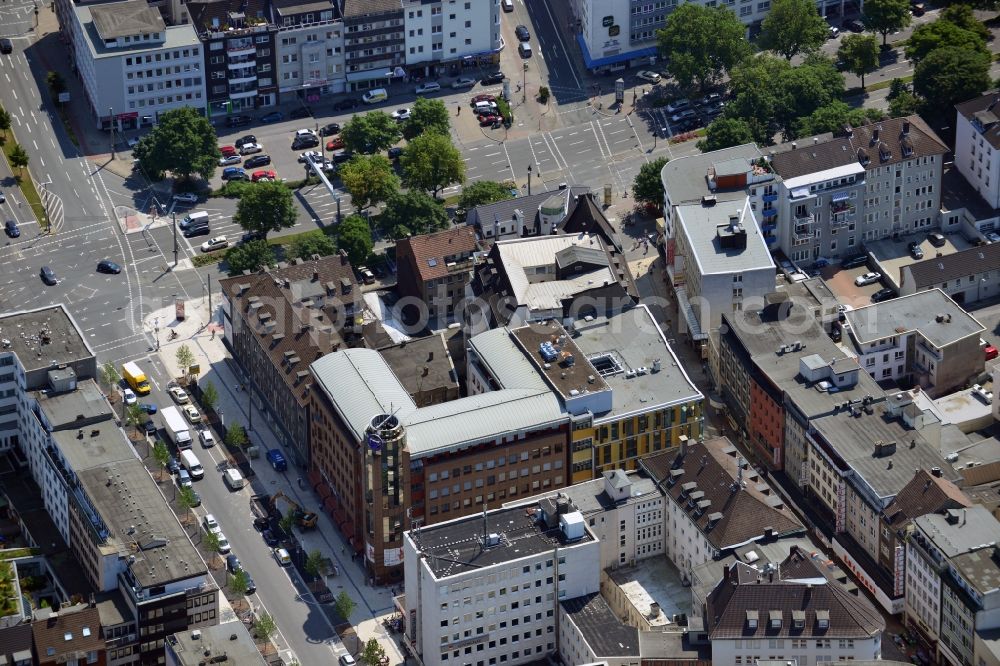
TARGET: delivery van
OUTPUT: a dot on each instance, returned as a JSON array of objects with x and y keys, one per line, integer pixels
[
  {"x": 374, "y": 96},
  {"x": 234, "y": 480},
  {"x": 192, "y": 464},
  {"x": 135, "y": 378},
  {"x": 194, "y": 219}
]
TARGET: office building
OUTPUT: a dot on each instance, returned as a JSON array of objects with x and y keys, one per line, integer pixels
[
  {"x": 445, "y": 36},
  {"x": 925, "y": 338},
  {"x": 276, "y": 323},
  {"x": 977, "y": 146},
  {"x": 434, "y": 270},
  {"x": 615, "y": 35},
  {"x": 310, "y": 49},
  {"x": 967, "y": 276},
  {"x": 132, "y": 66},
  {"x": 425, "y": 368},
  {"x": 219, "y": 644},
  {"x": 374, "y": 42}
]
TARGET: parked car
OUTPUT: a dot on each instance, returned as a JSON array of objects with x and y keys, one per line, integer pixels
[
  {"x": 210, "y": 524},
  {"x": 233, "y": 563},
  {"x": 11, "y": 229},
  {"x": 883, "y": 294},
  {"x": 329, "y": 129},
  {"x": 183, "y": 478},
  {"x": 428, "y": 87},
  {"x": 342, "y": 156},
  {"x": 346, "y": 105},
  {"x": 273, "y": 117},
  {"x": 488, "y": 120},
  {"x": 178, "y": 395},
  {"x": 108, "y": 266},
  {"x": 915, "y": 251},
  {"x": 227, "y": 150},
  {"x": 149, "y": 427},
  {"x": 308, "y": 141},
  {"x": 991, "y": 352},
  {"x": 129, "y": 396},
  {"x": 282, "y": 557},
  {"x": 868, "y": 278},
  {"x": 245, "y": 139},
  {"x": 301, "y": 112},
  {"x": 200, "y": 229},
  {"x": 172, "y": 466},
  {"x": 206, "y": 437},
  {"x": 263, "y": 175},
  {"x": 148, "y": 407},
  {"x": 918, "y": 8},
  {"x": 678, "y": 105},
  {"x": 399, "y": 115},
  {"x": 854, "y": 25},
  {"x": 224, "y": 547},
  {"x": 186, "y": 197},
  {"x": 217, "y": 243},
  {"x": 395, "y": 152},
  {"x": 226, "y": 160},
  {"x": 238, "y": 121},
  {"x": 522, "y": 33},
  {"x": 936, "y": 239},
  {"x": 234, "y": 173},
  {"x": 6, "y": 46},
  {"x": 191, "y": 413},
  {"x": 492, "y": 79},
  {"x": 257, "y": 161},
  {"x": 482, "y": 98},
  {"x": 833, "y": 33},
  {"x": 48, "y": 276},
  {"x": 463, "y": 82},
  {"x": 710, "y": 99},
  {"x": 683, "y": 115},
  {"x": 647, "y": 75},
  {"x": 269, "y": 538},
  {"x": 250, "y": 148},
  {"x": 277, "y": 460},
  {"x": 336, "y": 143},
  {"x": 854, "y": 261}
]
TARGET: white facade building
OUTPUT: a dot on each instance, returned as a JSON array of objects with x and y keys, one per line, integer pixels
[
  {"x": 132, "y": 66},
  {"x": 977, "y": 146},
  {"x": 450, "y": 31},
  {"x": 310, "y": 49}
]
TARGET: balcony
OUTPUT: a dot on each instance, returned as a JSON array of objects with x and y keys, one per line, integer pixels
[
  {"x": 241, "y": 50},
  {"x": 804, "y": 220},
  {"x": 769, "y": 212},
  {"x": 242, "y": 94},
  {"x": 770, "y": 197},
  {"x": 768, "y": 227},
  {"x": 837, "y": 207},
  {"x": 802, "y": 234},
  {"x": 249, "y": 77},
  {"x": 242, "y": 62}
]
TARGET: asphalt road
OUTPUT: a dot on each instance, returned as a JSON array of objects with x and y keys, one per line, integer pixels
[{"x": 17, "y": 17}]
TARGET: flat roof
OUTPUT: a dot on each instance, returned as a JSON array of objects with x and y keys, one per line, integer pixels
[
  {"x": 85, "y": 403},
  {"x": 564, "y": 376},
  {"x": 685, "y": 179},
  {"x": 700, "y": 223},
  {"x": 959, "y": 530},
  {"x": 422, "y": 364},
  {"x": 176, "y": 36},
  {"x": 508, "y": 365},
  {"x": 590, "y": 497},
  {"x": 654, "y": 580},
  {"x": 43, "y": 338},
  {"x": 125, "y": 19},
  {"x": 456, "y": 547},
  {"x": 921, "y": 312},
  {"x": 127, "y": 499},
  {"x": 93, "y": 446},
  {"x": 230, "y": 642},
  {"x": 606, "y": 635}
]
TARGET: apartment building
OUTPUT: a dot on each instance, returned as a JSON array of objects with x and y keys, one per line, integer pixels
[
  {"x": 977, "y": 145},
  {"x": 133, "y": 67},
  {"x": 374, "y": 42},
  {"x": 218, "y": 644},
  {"x": 434, "y": 269},
  {"x": 443, "y": 36},
  {"x": 714, "y": 503},
  {"x": 953, "y": 582},
  {"x": 866, "y": 183},
  {"x": 310, "y": 49},
  {"x": 240, "y": 49},
  {"x": 532, "y": 215},
  {"x": 925, "y": 337},
  {"x": 276, "y": 323},
  {"x": 968, "y": 276},
  {"x": 789, "y": 612},
  {"x": 485, "y": 589},
  {"x": 68, "y": 634}
]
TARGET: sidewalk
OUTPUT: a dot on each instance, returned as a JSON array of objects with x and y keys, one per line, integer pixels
[{"x": 203, "y": 336}]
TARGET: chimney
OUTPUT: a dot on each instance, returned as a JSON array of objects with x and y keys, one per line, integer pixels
[
  {"x": 768, "y": 533},
  {"x": 343, "y": 258},
  {"x": 815, "y": 140},
  {"x": 684, "y": 445},
  {"x": 794, "y": 145},
  {"x": 315, "y": 275},
  {"x": 875, "y": 133},
  {"x": 936, "y": 471},
  {"x": 430, "y": 356},
  {"x": 906, "y": 128}
]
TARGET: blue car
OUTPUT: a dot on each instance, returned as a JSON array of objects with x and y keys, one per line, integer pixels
[
  {"x": 234, "y": 173},
  {"x": 147, "y": 407},
  {"x": 273, "y": 117},
  {"x": 277, "y": 460}
]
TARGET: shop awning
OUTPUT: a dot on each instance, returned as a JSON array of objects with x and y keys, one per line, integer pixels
[
  {"x": 592, "y": 63},
  {"x": 840, "y": 196}
]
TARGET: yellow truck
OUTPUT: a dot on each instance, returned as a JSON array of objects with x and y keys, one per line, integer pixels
[{"x": 135, "y": 378}]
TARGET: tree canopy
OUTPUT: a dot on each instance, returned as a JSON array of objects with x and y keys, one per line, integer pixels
[
  {"x": 833, "y": 117},
  {"x": 426, "y": 115},
  {"x": 370, "y": 132},
  {"x": 411, "y": 213},
  {"x": 265, "y": 207},
  {"x": 701, "y": 43},
  {"x": 647, "y": 186},
  {"x": 431, "y": 162},
  {"x": 310, "y": 243},
  {"x": 949, "y": 75},
  {"x": 885, "y": 16},
  {"x": 930, "y": 36},
  {"x": 250, "y": 256},
  {"x": 369, "y": 179},
  {"x": 483, "y": 192},
  {"x": 725, "y": 133},
  {"x": 354, "y": 237},
  {"x": 860, "y": 54},
  {"x": 792, "y": 26},
  {"x": 963, "y": 17},
  {"x": 183, "y": 143}
]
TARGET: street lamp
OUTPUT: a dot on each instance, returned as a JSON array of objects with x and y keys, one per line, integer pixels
[
  {"x": 111, "y": 124},
  {"x": 524, "y": 84},
  {"x": 529, "y": 180}
]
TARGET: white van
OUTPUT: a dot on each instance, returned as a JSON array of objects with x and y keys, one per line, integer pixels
[
  {"x": 508, "y": 5},
  {"x": 375, "y": 96},
  {"x": 234, "y": 480},
  {"x": 192, "y": 464},
  {"x": 524, "y": 49},
  {"x": 194, "y": 218}
]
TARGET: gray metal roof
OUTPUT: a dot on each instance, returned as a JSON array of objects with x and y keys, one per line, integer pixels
[
  {"x": 685, "y": 179},
  {"x": 497, "y": 350},
  {"x": 967, "y": 530},
  {"x": 43, "y": 338},
  {"x": 126, "y": 19},
  {"x": 529, "y": 205},
  {"x": 175, "y": 36},
  {"x": 699, "y": 223},
  {"x": 953, "y": 266},
  {"x": 85, "y": 404},
  {"x": 916, "y": 312},
  {"x": 606, "y": 635}
]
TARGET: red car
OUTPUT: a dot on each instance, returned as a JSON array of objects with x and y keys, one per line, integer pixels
[
  {"x": 482, "y": 98},
  {"x": 227, "y": 151},
  {"x": 991, "y": 352},
  {"x": 263, "y": 174},
  {"x": 335, "y": 143},
  {"x": 487, "y": 120}
]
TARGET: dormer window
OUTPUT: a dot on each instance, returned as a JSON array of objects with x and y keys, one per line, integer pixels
[
  {"x": 752, "y": 619},
  {"x": 774, "y": 619},
  {"x": 798, "y": 619},
  {"x": 823, "y": 619}
]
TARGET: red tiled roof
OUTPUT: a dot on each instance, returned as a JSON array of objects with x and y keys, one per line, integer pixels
[
  {"x": 428, "y": 251},
  {"x": 924, "y": 494},
  {"x": 69, "y": 633}
]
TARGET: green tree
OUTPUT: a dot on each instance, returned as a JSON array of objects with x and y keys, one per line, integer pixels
[
  {"x": 185, "y": 358},
  {"x": 354, "y": 237},
  {"x": 266, "y": 207},
  {"x": 209, "y": 396},
  {"x": 109, "y": 374},
  {"x": 135, "y": 416},
  {"x": 701, "y": 43},
  {"x": 19, "y": 157},
  {"x": 316, "y": 564},
  {"x": 860, "y": 54},
  {"x": 426, "y": 115},
  {"x": 885, "y": 16},
  {"x": 792, "y": 26},
  {"x": 161, "y": 455},
  {"x": 239, "y": 582},
  {"x": 543, "y": 95},
  {"x": 412, "y": 212},
  {"x": 252, "y": 256},
  {"x": 647, "y": 186},
  {"x": 312, "y": 242},
  {"x": 483, "y": 192},
  {"x": 4, "y": 121},
  {"x": 186, "y": 499},
  {"x": 56, "y": 83},
  {"x": 287, "y": 521},
  {"x": 949, "y": 75},
  {"x": 369, "y": 179},
  {"x": 373, "y": 653},
  {"x": 896, "y": 88},
  {"x": 904, "y": 104},
  {"x": 431, "y": 162},
  {"x": 211, "y": 541},
  {"x": 183, "y": 143},
  {"x": 963, "y": 16},
  {"x": 344, "y": 605},
  {"x": 265, "y": 627},
  {"x": 830, "y": 118},
  {"x": 236, "y": 436},
  {"x": 370, "y": 132},
  {"x": 930, "y": 36},
  {"x": 725, "y": 133}
]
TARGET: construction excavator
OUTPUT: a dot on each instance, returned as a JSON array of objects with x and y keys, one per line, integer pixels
[{"x": 306, "y": 520}]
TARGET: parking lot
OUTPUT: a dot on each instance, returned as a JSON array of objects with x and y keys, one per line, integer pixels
[
  {"x": 892, "y": 255},
  {"x": 841, "y": 283}
]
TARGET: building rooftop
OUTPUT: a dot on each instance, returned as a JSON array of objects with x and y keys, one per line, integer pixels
[
  {"x": 984, "y": 112},
  {"x": 297, "y": 313},
  {"x": 721, "y": 494},
  {"x": 655, "y": 589},
  {"x": 422, "y": 365},
  {"x": 457, "y": 546},
  {"x": 981, "y": 567},
  {"x": 293, "y": 7},
  {"x": 706, "y": 227},
  {"x": 933, "y": 313},
  {"x": 485, "y": 215},
  {"x": 876, "y": 145},
  {"x": 113, "y": 608},
  {"x": 686, "y": 178},
  {"x": 15, "y": 644},
  {"x": 85, "y": 403},
  {"x": 67, "y": 634},
  {"x": 590, "y": 497},
  {"x": 219, "y": 643},
  {"x": 586, "y": 217},
  {"x": 140, "y": 523},
  {"x": 880, "y": 448},
  {"x": 567, "y": 370},
  {"x": 43, "y": 338},
  {"x": 605, "y": 634},
  {"x": 358, "y": 8},
  {"x": 956, "y": 265},
  {"x": 505, "y": 361},
  {"x": 675, "y": 646},
  {"x": 126, "y": 19},
  {"x": 747, "y": 604},
  {"x": 959, "y": 531},
  {"x": 93, "y": 446},
  {"x": 432, "y": 253},
  {"x": 925, "y": 493},
  {"x": 175, "y": 36}
]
